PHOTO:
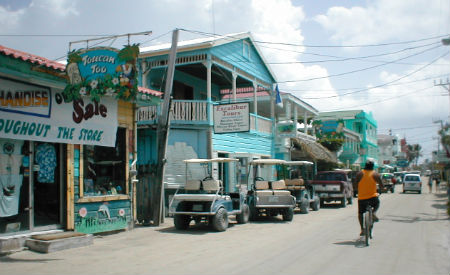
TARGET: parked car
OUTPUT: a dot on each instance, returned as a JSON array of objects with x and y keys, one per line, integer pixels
[
  {"x": 267, "y": 195},
  {"x": 203, "y": 197},
  {"x": 388, "y": 180},
  {"x": 334, "y": 186},
  {"x": 413, "y": 183},
  {"x": 304, "y": 192}
]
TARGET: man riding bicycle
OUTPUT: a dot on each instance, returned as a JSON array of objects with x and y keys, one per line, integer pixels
[{"x": 367, "y": 180}]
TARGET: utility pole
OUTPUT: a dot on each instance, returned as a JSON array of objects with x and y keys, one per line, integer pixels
[
  {"x": 446, "y": 86},
  {"x": 157, "y": 196}
]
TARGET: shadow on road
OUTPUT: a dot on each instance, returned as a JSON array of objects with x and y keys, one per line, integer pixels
[
  {"x": 8, "y": 259},
  {"x": 412, "y": 219},
  {"x": 194, "y": 229},
  {"x": 358, "y": 243}
]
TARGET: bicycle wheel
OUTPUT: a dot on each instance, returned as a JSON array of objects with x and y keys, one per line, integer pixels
[{"x": 366, "y": 228}]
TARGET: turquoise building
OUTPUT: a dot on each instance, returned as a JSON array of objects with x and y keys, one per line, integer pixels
[{"x": 360, "y": 129}]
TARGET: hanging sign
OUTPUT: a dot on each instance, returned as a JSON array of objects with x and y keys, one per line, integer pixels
[
  {"x": 32, "y": 112},
  {"x": 101, "y": 71},
  {"x": 231, "y": 118}
]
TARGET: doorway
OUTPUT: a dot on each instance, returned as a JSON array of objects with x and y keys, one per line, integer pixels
[{"x": 46, "y": 183}]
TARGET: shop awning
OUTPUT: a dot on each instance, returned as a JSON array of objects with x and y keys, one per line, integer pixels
[{"x": 311, "y": 150}]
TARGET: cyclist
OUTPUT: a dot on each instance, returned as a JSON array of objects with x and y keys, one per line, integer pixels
[{"x": 367, "y": 180}]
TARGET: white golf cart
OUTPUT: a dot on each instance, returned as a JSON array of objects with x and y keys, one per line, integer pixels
[
  {"x": 204, "y": 196},
  {"x": 304, "y": 193},
  {"x": 267, "y": 195}
]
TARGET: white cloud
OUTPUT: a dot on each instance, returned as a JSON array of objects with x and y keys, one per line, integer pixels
[
  {"x": 9, "y": 19},
  {"x": 61, "y": 8},
  {"x": 386, "y": 19}
]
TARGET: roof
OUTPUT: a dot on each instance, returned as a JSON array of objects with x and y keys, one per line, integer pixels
[
  {"x": 204, "y": 43},
  {"x": 267, "y": 161},
  {"x": 312, "y": 150},
  {"x": 150, "y": 91},
  {"x": 210, "y": 160},
  {"x": 34, "y": 59}
]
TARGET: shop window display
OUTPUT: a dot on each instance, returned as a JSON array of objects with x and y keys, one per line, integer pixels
[{"x": 104, "y": 168}]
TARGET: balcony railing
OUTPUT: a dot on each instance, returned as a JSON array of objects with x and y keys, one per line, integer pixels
[{"x": 194, "y": 112}]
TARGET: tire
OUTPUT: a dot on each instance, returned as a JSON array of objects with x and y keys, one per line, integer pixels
[
  {"x": 304, "y": 205},
  {"x": 220, "y": 220},
  {"x": 344, "y": 202},
  {"x": 288, "y": 215},
  {"x": 420, "y": 192},
  {"x": 245, "y": 214},
  {"x": 350, "y": 200},
  {"x": 367, "y": 230},
  {"x": 181, "y": 222},
  {"x": 315, "y": 205}
]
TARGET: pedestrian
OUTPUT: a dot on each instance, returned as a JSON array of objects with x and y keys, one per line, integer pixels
[
  {"x": 438, "y": 181},
  {"x": 430, "y": 184}
]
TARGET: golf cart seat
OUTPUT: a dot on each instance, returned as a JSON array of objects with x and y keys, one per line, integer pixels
[
  {"x": 295, "y": 184},
  {"x": 211, "y": 185},
  {"x": 279, "y": 188},
  {"x": 192, "y": 185},
  {"x": 262, "y": 188}
]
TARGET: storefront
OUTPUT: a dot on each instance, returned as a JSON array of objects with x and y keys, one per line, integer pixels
[{"x": 65, "y": 150}]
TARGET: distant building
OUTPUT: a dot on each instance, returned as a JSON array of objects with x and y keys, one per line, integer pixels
[{"x": 360, "y": 133}]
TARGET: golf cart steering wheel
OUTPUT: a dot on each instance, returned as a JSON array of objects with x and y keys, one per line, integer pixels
[
  {"x": 259, "y": 179},
  {"x": 207, "y": 178}
]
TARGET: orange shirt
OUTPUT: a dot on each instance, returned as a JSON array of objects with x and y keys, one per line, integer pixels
[{"x": 367, "y": 186}]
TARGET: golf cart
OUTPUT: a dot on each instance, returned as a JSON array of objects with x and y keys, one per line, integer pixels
[
  {"x": 304, "y": 193},
  {"x": 268, "y": 196},
  {"x": 203, "y": 198}
]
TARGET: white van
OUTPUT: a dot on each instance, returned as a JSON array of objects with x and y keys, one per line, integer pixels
[{"x": 412, "y": 182}]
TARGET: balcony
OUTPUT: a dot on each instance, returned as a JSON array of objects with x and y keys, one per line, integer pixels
[{"x": 194, "y": 112}]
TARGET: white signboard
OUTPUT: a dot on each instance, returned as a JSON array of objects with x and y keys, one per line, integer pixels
[
  {"x": 32, "y": 112},
  {"x": 232, "y": 118}
]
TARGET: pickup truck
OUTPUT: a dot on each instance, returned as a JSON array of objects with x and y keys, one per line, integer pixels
[{"x": 333, "y": 186}]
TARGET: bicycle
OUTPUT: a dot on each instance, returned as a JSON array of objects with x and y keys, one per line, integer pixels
[{"x": 368, "y": 224}]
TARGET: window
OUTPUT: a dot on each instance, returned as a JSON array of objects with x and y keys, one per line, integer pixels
[
  {"x": 246, "y": 50},
  {"x": 104, "y": 168}
]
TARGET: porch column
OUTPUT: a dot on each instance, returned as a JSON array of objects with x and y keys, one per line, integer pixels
[
  {"x": 144, "y": 74},
  {"x": 255, "y": 97},
  {"x": 305, "y": 122},
  {"x": 234, "y": 74},
  {"x": 209, "y": 102},
  {"x": 295, "y": 120}
]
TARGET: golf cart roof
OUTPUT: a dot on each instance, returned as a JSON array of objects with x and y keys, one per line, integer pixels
[
  {"x": 210, "y": 160},
  {"x": 267, "y": 161},
  {"x": 299, "y": 162}
]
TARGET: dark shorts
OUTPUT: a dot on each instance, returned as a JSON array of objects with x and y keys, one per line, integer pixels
[{"x": 362, "y": 204}]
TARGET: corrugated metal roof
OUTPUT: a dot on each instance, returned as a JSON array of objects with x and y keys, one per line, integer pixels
[
  {"x": 32, "y": 58},
  {"x": 150, "y": 91}
]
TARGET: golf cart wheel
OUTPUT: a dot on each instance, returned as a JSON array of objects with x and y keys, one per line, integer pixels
[
  {"x": 315, "y": 205},
  {"x": 245, "y": 214},
  {"x": 181, "y": 221},
  {"x": 304, "y": 206},
  {"x": 288, "y": 214},
  {"x": 344, "y": 202},
  {"x": 350, "y": 200},
  {"x": 220, "y": 220}
]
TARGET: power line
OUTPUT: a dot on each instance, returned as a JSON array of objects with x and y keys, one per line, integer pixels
[
  {"x": 359, "y": 70},
  {"x": 319, "y": 46},
  {"x": 385, "y": 84}
]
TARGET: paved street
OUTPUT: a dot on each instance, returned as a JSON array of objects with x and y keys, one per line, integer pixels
[{"x": 412, "y": 237}]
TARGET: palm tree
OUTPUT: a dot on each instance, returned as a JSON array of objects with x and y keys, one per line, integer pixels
[{"x": 414, "y": 152}]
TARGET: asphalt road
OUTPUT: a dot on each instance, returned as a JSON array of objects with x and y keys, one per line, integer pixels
[{"x": 412, "y": 237}]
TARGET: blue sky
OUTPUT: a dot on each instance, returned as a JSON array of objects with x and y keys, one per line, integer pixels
[{"x": 398, "y": 71}]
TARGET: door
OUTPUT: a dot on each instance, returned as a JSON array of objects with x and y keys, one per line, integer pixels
[{"x": 46, "y": 182}]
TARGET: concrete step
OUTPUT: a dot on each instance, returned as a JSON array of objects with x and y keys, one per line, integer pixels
[{"x": 47, "y": 243}]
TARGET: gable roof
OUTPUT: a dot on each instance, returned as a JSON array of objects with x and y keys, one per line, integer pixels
[{"x": 204, "y": 43}]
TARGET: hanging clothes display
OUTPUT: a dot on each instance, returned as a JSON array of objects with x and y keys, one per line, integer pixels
[
  {"x": 10, "y": 177},
  {"x": 46, "y": 159}
]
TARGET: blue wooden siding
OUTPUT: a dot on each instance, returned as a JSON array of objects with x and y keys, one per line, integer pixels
[
  {"x": 197, "y": 139},
  {"x": 146, "y": 147},
  {"x": 243, "y": 142},
  {"x": 233, "y": 54}
]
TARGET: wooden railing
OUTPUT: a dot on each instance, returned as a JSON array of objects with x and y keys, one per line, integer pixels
[{"x": 194, "y": 111}]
